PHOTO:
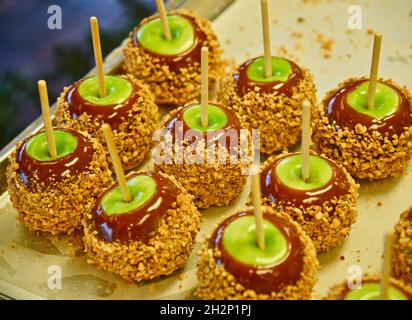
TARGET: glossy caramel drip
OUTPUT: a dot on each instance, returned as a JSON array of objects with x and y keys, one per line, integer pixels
[
  {"x": 182, "y": 60},
  {"x": 263, "y": 279},
  {"x": 32, "y": 171},
  {"x": 276, "y": 191},
  {"x": 338, "y": 109},
  {"x": 244, "y": 84},
  {"x": 139, "y": 224}
]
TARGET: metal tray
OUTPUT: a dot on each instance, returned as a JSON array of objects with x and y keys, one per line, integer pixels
[{"x": 306, "y": 33}]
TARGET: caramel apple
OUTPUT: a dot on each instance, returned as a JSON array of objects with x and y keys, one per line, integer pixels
[
  {"x": 232, "y": 266},
  {"x": 171, "y": 68},
  {"x": 214, "y": 177},
  {"x": 370, "y": 143},
  {"x": 151, "y": 235},
  {"x": 128, "y": 107},
  {"x": 52, "y": 194},
  {"x": 324, "y": 205},
  {"x": 402, "y": 248},
  {"x": 370, "y": 290},
  {"x": 271, "y": 104}
]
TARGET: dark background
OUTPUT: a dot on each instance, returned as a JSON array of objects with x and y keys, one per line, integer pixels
[{"x": 30, "y": 51}]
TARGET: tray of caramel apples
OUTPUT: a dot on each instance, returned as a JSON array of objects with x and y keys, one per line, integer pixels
[{"x": 261, "y": 154}]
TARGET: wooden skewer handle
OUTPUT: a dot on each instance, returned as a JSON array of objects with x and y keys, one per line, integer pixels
[
  {"x": 306, "y": 107},
  {"x": 266, "y": 39},
  {"x": 163, "y": 18},
  {"x": 121, "y": 178},
  {"x": 45, "y": 108},
  {"x": 94, "y": 25},
  {"x": 204, "y": 87},
  {"x": 374, "y": 70}
]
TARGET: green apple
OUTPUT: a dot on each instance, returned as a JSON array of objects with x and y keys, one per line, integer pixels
[
  {"x": 37, "y": 147},
  {"x": 142, "y": 188},
  {"x": 288, "y": 170},
  {"x": 118, "y": 90},
  {"x": 151, "y": 37},
  {"x": 371, "y": 291},
  {"x": 281, "y": 70},
  {"x": 386, "y": 100},
  {"x": 239, "y": 240},
  {"x": 217, "y": 118}
]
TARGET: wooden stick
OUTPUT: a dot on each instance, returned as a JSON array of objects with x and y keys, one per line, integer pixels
[
  {"x": 94, "y": 25},
  {"x": 257, "y": 204},
  {"x": 374, "y": 70},
  {"x": 163, "y": 18},
  {"x": 266, "y": 38},
  {"x": 204, "y": 86},
  {"x": 386, "y": 266},
  {"x": 305, "y": 139},
  {"x": 45, "y": 108},
  {"x": 118, "y": 169}
]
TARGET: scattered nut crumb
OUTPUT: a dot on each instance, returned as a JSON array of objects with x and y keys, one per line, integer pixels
[{"x": 325, "y": 44}]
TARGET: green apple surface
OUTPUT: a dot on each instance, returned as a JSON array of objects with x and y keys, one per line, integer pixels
[
  {"x": 288, "y": 170},
  {"x": 37, "y": 147},
  {"x": 217, "y": 118},
  {"x": 281, "y": 70},
  {"x": 239, "y": 240},
  {"x": 142, "y": 188},
  {"x": 371, "y": 291},
  {"x": 151, "y": 37},
  {"x": 118, "y": 90},
  {"x": 386, "y": 100}
]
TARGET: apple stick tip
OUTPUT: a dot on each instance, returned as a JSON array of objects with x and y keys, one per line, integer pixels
[
  {"x": 163, "y": 18},
  {"x": 305, "y": 169},
  {"x": 117, "y": 165},
  {"x": 204, "y": 86},
  {"x": 94, "y": 26},
  {"x": 374, "y": 70},
  {"x": 266, "y": 39},
  {"x": 45, "y": 108}
]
